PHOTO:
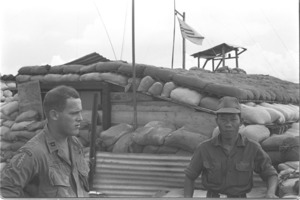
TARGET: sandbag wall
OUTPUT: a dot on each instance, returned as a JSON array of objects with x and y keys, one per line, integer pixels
[{"x": 155, "y": 137}]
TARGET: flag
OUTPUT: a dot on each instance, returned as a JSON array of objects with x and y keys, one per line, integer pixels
[{"x": 189, "y": 33}]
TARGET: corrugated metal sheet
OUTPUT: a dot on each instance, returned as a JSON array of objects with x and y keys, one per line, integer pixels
[
  {"x": 88, "y": 59},
  {"x": 139, "y": 175},
  {"x": 143, "y": 175}
]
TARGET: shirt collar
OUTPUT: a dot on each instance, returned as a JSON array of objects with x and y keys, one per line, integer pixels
[
  {"x": 52, "y": 144},
  {"x": 241, "y": 141}
]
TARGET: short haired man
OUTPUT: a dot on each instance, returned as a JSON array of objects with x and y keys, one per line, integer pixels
[
  {"x": 226, "y": 162},
  {"x": 52, "y": 161}
]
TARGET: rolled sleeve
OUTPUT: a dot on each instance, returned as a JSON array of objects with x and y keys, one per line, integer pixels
[
  {"x": 263, "y": 165},
  {"x": 195, "y": 167}
]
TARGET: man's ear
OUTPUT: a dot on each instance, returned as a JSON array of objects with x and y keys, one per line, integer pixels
[{"x": 53, "y": 114}]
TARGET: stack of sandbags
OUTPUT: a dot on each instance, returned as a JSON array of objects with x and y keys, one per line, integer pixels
[
  {"x": 101, "y": 71},
  {"x": 16, "y": 128},
  {"x": 156, "y": 137},
  {"x": 288, "y": 180}
]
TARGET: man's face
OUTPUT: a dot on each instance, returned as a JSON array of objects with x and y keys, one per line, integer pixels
[
  {"x": 69, "y": 119},
  {"x": 228, "y": 124}
]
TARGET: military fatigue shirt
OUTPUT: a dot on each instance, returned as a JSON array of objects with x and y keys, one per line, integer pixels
[
  {"x": 40, "y": 169},
  {"x": 229, "y": 173}
]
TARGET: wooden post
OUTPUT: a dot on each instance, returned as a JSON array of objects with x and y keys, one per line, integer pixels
[
  {"x": 106, "y": 106},
  {"x": 223, "y": 56},
  {"x": 236, "y": 58},
  {"x": 93, "y": 140}
]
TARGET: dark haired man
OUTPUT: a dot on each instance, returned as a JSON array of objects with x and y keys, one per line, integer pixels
[
  {"x": 226, "y": 162},
  {"x": 52, "y": 161}
]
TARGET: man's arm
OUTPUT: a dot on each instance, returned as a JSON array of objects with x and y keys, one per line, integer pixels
[
  {"x": 188, "y": 187},
  {"x": 272, "y": 182},
  {"x": 16, "y": 175}
]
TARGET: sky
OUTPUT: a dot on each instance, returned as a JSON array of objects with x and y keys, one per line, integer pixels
[{"x": 54, "y": 32}]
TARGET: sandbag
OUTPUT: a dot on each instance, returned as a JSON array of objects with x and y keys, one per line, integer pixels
[
  {"x": 150, "y": 135},
  {"x": 167, "y": 89},
  {"x": 256, "y": 132},
  {"x": 156, "y": 89},
  {"x": 22, "y": 78},
  {"x": 29, "y": 115},
  {"x": 7, "y": 93},
  {"x": 224, "y": 90},
  {"x": 87, "y": 69},
  {"x": 255, "y": 115},
  {"x": 53, "y": 78},
  {"x": 13, "y": 146},
  {"x": 2, "y": 165},
  {"x": 127, "y": 69},
  {"x": 163, "y": 124},
  {"x": 14, "y": 115},
  {"x": 71, "y": 69},
  {"x": 288, "y": 187},
  {"x": 185, "y": 95},
  {"x": 56, "y": 69},
  {"x": 114, "y": 78},
  {"x": 93, "y": 76},
  {"x": 275, "y": 157},
  {"x": 107, "y": 66},
  {"x": 151, "y": 149},
  {"x": 159, "y": 73},
  {"x": 70, "y": 77},
  {"x": 36, "y": 125},
  {"x": 7, "y": 155},
  {"x": 189, "y": 81},
  {"x": 145, "y": 84},
  {"x": 8, "y": 123},
  {"x": 209, "y": 103},
  {"x": 4, "y": 130},
  {"x": 276, "y": 116},
  {"x": 111, "y": 135},
  {"x": 184, "y": 139},
  {"x": 9, "y": 108},
  {"x": 273, "y": 142},
  {"x": 294, "y": 165},
  {"x": 126, "y": 145},
  {"x": 19, "y": 135},
  {"x": 40, "y": 70},
  {"x": 37, "y": 78},
  {"x": 285, "y": 113},
  {"x": 289, "y": 149},
  {"x": 21, "y": 125}
]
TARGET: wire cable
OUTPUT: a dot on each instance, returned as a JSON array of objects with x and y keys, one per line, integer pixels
[{"x": 105, "y": 30}]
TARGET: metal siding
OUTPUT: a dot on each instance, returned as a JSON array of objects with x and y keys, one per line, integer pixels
[{"x": 139, "y": 175}]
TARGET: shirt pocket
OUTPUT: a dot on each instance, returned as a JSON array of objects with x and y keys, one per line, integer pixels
[
  {"x": 83, "y": 172},
  {"x": 60, "y": 182},
  {"x": 213, "y": 172},
  {"x": 244, "y": 172}
]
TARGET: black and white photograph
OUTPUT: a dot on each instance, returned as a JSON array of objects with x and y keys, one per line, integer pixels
[{"x": 149, "y": 99}]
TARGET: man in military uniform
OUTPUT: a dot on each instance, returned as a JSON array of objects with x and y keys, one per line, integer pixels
[
  {"x": 226, "y": 162},
  {"x": 52, "y": 163}
]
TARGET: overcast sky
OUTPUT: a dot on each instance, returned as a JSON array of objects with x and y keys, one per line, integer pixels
[{"x": 35, "y": 32}]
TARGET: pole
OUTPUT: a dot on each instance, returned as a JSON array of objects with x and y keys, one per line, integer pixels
[
  {"x": 172, "y": 61},
  {"x": 133, "y": 72},
  {"x": 183, "y": 45}
]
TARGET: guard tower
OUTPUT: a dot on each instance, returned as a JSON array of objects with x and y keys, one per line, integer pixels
[{"x": 220, "y": 53}]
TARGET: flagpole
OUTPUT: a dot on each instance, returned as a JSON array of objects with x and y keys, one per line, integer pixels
[
  {"x": 183, "y": 45},
  {"x": 172, "y": 61},
  {"x": 133, "y": 72}
]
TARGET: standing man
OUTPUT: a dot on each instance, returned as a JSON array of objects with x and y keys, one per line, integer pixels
[
  {"x": 52, "y": 163},
  {"x": 227, "y": 161}
]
